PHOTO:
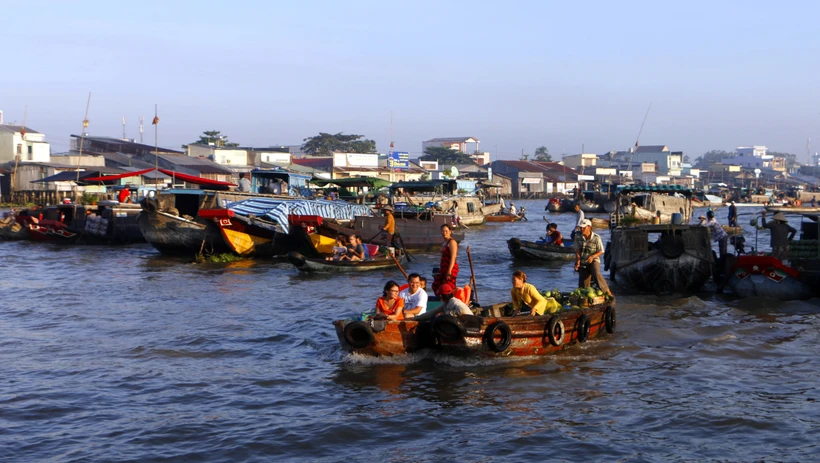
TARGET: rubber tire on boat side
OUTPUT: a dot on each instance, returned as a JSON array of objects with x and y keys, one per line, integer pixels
[
  {"x": 504, "y": 330},
  {"x": 150, "y": 205},
  {"x": 582, "y": 327},
  {"x": 664, "y": 287},
  {"x": 553, "y": 324},
  {"x": 609, "y": 319},
  {"x": 672, "y": 246},
  {"x": 449, "y": 328},
  {"x": 358, "y": 334}
]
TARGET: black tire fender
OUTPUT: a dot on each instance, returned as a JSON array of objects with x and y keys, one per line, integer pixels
[
  {"x": 359, "y": 334},
  {"x": 150, "y": 205},
  {"x": 298, "y": 260},
  {"x": 449, "y": 328},
  {"x": 582, "y": 328},
  {"x": 555, "y": 330},
  {"x": 504, "y": 331},
  {"x": 672, "y": 246},
  {"x": 664, "y": 287},
  {"x": 610, "y": 319}
]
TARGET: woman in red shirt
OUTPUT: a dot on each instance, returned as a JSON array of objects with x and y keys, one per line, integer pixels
[{"x": 390, "y": 303}]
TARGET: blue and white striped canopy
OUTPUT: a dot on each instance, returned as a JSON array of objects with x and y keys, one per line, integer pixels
[{"x": 278, "y": 210}]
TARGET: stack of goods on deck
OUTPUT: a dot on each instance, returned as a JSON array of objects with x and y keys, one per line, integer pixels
[{"x": 96, "y": 225}]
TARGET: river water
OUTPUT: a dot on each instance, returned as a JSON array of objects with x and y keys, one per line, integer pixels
[{"x": 120, "y": 354}]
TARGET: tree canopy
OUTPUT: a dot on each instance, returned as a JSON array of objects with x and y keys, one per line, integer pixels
[
  {"x": 543, "y": 154},
  {"x": 326, "y": 144},
  {"x": 445, "y": 155},
  {"x": 708, "y": 158},
  {"x": 213, "y": 137}
]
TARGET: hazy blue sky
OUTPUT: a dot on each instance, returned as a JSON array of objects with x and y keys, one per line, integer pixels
[{"x": 515, "y": 74}]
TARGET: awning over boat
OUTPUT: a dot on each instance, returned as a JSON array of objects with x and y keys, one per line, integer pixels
[
  {"x": 446, "y": 186},
  {"x": 655, "y": 189},
  {"x": 278, "y": 210},
  {"x": 67, "y": 176},
  {"x": 106, "y": 178},
  {"x": 196, "y": 180},
  {"x": 354, "y": 182}
]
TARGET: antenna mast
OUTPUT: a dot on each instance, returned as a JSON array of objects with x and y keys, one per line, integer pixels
[
  {"x": 123, "y": 127},
  {"x": 17, "y": 156},
  {"x": 82, "y": 136},
  {"x": 635, "y": 148},
  {"x": 155, "y": 123},
  {"x": 141, "y": 128}
]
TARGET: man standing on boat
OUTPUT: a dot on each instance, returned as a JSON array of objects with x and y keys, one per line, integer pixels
[
  {"x": 718, "y": 233},
  {"x": 588, "y": 250},
  {"x": 732, "y": 214},
  {"x": 782, "y": 234},
  {"x": 244, "y": 184},
  {"x": 389, "y": 224},
  {"x": 580, "y": 214}
]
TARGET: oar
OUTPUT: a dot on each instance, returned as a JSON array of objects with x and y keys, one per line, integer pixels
[
  {"x": 472, "y": 274},
  {"x": 403, "y": 249},
  {"x": 399, "y": 266}
]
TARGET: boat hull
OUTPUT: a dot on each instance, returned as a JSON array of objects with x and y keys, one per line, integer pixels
[
  {"x": 528, "y": 336},
  {"x": 655, "y": 273},
  {"x": 171, "y": 234},
  {"x": 416, "y": 235},
  {"x": 766, "y": 276},
  {"x": 502, "y": 218},
  {"x": 528, "y": 250},
  {"x": 341, "y": 266},
  {"x": 794, "y": 209}
]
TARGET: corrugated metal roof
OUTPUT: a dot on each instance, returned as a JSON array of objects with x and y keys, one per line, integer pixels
[
  {"x": 454, "y": 139},
  {"x": 651, "y": 149},
  {"x": 15, "y": 128}
]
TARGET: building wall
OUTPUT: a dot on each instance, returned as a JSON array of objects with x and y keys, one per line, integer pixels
[
  {"x": 232, "y": 157},
  {"x": 460, "y": 147},
  {"x": 33, "y": 149},
  {"x": 575, "y": 161},
  {"x": 664, "y": 160}
]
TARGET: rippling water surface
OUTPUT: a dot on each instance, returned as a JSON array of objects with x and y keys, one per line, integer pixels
[{"x": 120, "y": 354}]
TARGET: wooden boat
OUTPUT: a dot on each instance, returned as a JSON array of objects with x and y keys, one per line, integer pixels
[
  {"x": 321, "y": 265},
  {"x": 767, "y": 276},
  {"x": 643, "y": 203},
  {"x": 554, "y": 205},
  {"x": 794, "y": 209},
  {"x": 419, "y": 198},
  {"x": 530, "y": 250},
  {"x": 10, "y": 229},
  {"x": 487, "y": 335},
  {"x": 502, "y": 218},
  {"x": 416, "y": 235},
  {"x": 589, "y": 206},
  {"x": 599, "y": 223},
  {"x": 661, "y": 259}
]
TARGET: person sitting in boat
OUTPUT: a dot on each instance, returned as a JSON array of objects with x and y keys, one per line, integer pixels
[
  {"x": 125, "y": 195},
  {"x": 415, "y": 298},
  {"x": 339, "y": 250},
  {"x": 717, "y": 231},
  {"x": 356, "y": 250},
  {"x": 554, "y": 237},
  {"x": 525, "y": 298},
  {"x": 423, "y": 283},
  {"x": 782, "y": 234},
  {"x": 588, "y": 250},
  {"x": 513, "y": 210},
  {"x": 450, "y": 304},
  {"x": 390, "y": 304},
  {"x": 244, "y": 184}
]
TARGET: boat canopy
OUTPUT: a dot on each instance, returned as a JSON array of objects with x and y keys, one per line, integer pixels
[
  {"x": 353, "y": 182},
  {"x": 278, "y": 210},
  {"x": 626, "y": 189},
  {"x": 438, "y": 186},
  {"x": 107, "y": 178}
]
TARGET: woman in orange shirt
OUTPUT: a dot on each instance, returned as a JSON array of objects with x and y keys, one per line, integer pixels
[{"x": 390, "y": 303}]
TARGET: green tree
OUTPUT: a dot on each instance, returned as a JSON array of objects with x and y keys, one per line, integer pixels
[
  {"x": 213, "y": 137},
  {"x": 711, "y": 157},
  {"x": 326, "y": 144},
  {"x": 445, "y": 155},
  {"x": 543, "y": 154}
]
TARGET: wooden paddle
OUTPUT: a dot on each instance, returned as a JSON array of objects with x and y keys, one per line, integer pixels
[
  {"x": 472, "y": 274},
  {"x": 399, "y": 266}
]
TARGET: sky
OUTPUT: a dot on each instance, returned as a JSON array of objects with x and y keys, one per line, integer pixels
[{"x": 516, "y": 75}]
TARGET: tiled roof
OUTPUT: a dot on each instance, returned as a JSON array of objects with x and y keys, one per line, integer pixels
[
  {"x": 453, "y": 139},
  {"x": 15, "y": 128}
]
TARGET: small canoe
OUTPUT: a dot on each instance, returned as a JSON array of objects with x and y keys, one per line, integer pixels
[
  {"x": 732, "y": 231},
  {"x": 305, "y": 264},
  {"x": 501, "y": 218},
  {"x": 793, "y": 209},
  {"x": 11, "y": 230},
  {"x": 530, "y": 250},
  {"x": 485, "y": 335},
  {"x": 599, "y": 223}
]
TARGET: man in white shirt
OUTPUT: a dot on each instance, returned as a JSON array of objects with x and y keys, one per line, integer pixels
[
  {"x": 415, "y": 298},
  {"x": 450, "y": 304}
]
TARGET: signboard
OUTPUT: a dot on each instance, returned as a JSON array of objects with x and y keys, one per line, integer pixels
[
  {"x": 588, "y": 178},
  {"x": 398, "y": 160},
  {"x": 355, "y": 160}
]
